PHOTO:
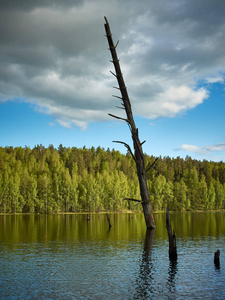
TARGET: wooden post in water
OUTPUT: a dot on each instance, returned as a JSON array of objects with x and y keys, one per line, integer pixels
[
  {"x": 138, "y": 155},
  {"x": 217, "y": 259},
  {"x": 172, "y": 238}
]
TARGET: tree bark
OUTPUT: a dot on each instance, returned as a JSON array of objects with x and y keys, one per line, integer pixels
[
  {"x": 138, "y": 153},
  {"x": 172, "y": 238},
  {"x": 217, "y": 259}
]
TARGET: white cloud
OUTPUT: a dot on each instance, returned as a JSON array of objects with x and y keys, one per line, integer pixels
[
  {"x": 54, "y": 54},
  {"x": 191, "y": 148},
  {"x": 217, "y": 147},
  {"x": 218, "y": 79},
  {"x": 170, "y": 102},
  {"x": 179, "y": 47},
  {"x": 64, "y": 123},
  {"x": 203, "y": 149}
]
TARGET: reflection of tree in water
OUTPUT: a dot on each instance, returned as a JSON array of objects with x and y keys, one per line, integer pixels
[
  {"x": 147, "y": 287},
  {"x": 172, "y": 270},
  {"x": 145, "y": 278}
]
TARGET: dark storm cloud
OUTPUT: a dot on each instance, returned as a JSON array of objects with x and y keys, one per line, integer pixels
[
  {"x": 24, "y": 5},
  {"x": 54, "y": 54}
]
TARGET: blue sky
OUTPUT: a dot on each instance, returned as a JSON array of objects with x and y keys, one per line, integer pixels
[{"x": 56, "y": 88}]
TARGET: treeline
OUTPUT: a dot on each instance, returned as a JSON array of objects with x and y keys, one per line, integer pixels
[{"x": 47, "y": 180}]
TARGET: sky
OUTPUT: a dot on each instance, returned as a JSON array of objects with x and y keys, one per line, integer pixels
[{"x": 56, "y": 86}]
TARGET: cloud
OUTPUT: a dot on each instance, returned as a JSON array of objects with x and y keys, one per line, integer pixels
[
  {"x": 219, "y": 79},
  {"x": 171, "y": 101},
  {"x": 54, "y": 54},
  {"x": 204, "y": 149}
]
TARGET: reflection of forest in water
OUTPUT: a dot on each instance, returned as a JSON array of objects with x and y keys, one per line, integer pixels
[
  {"x": 126, "y": 262},
  {"x": 45, "y": 228}
]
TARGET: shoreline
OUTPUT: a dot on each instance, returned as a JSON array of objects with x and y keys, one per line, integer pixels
[{"x": 112, "y": 212}]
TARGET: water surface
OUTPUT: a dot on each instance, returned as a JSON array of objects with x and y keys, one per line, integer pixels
[{"x": 68, "y": 257}]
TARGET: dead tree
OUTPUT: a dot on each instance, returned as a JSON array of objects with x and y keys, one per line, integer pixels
[
  {"x": 138, "y": 155},
  {"x": 217, "y": 259},
  {"x": 172, "y": 238}
]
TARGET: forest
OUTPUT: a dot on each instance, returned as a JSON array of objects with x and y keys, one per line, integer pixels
[{"x": 49, "y": 180}]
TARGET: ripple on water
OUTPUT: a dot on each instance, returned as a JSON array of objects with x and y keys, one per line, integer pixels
[{"x": 112, "y": 266}]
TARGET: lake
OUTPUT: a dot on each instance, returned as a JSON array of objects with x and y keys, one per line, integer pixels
[{"x": 68, "y": 257}]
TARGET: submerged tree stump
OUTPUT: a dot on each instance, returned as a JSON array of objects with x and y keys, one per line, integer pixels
[
  {"x": 217, "y": 259},
  {"x": 172, "y": 238}
]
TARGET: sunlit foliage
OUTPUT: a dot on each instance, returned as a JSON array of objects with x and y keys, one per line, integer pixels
[{"x": 48, "y": 180}]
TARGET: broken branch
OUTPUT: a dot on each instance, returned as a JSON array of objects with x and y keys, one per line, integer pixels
[
  {"x": 118, "y": 118},
  {"x": 150, "y": 166},
  {"x": 128, "y": 148},
  {"x": 117, "y": 97},
  {"x": 113, "y": 74},
  {"x": 131, "y": 199}
]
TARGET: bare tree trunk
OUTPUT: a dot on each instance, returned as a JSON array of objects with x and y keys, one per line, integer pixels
[
  {"x": 172, "y": 238},
  {"x": 217, "y": 259},
  {"x": 138, "y": 155}
]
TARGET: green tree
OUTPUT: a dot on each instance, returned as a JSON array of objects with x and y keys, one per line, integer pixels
[
  {"x": 44, "y": 194},
  {"x": 158, "y": 188},
  {"x": 219, "y": 197},
  {"x": 191, "y": 181},
  {"x": 74, "y": 188},
  {"x": 181, "y": 201},
  {"x": 211, "y": 197},
  {"x": 202, "y": 192}
]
